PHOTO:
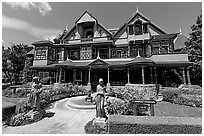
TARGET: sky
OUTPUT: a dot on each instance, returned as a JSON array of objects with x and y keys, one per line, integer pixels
[{"x": 27, "y": 22}]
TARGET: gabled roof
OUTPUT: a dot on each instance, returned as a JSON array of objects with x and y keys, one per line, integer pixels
[
  {"x": 98, "y": 61},
  {"x": 141, "y": 60},
  {"x": 74, "y": 27},
  {"x": 164, "y": 36},
  {"x": 137, "y": 13}
]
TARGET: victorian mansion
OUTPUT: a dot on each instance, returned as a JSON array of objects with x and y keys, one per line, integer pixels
[{"x": 139, "y": 52}]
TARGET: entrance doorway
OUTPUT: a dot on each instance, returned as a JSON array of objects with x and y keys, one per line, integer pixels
[{"x": 96, "y": 74}]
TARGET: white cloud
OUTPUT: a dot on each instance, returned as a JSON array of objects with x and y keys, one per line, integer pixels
[
  {"x": 40, "y": 33},
  {"x": 43, "y": 7}
]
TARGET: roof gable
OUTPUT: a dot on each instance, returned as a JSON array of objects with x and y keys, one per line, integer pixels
[
  {"x": 139, "y": 16},
  {"x": 85, "y": 17}
]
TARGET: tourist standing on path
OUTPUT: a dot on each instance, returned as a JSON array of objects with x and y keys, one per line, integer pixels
[{"x": 35, "y": 94}]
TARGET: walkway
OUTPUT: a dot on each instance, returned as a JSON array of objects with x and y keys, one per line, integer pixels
[{"x": 65, "y": 121}]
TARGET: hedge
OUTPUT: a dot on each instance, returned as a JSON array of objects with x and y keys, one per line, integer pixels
[{"x": 120, "y": 124}]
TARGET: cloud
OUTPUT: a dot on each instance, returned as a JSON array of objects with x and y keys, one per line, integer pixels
[
  {"x": 43, "y": 7},
  {"x": 40, "y": 33}
]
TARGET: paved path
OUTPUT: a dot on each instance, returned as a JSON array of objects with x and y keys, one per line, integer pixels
[{"x": 65, "y": 121}]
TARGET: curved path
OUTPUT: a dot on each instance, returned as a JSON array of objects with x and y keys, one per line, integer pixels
[{"x": 66, "y": 120}]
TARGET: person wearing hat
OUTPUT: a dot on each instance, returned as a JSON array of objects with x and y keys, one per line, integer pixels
[
  {"x": 35, "y": 94},
  {"x": 100, "y": 98}
]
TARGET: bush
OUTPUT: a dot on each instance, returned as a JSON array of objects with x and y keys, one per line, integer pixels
[
  {"x": 94, "y": 129},
  {"x": 170, "y": 95},
  {"x": 46, "y": 80},
  {"x": 118, "y": 106},
  {"x": 20, "y": 119},
  {"x": 120, "y": 124},
  {"x": 189, "y": 100},
  {"x": 154, "y": 129}
]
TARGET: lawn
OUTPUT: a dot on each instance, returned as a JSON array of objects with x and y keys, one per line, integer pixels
[{"x": 170, "y": 109}]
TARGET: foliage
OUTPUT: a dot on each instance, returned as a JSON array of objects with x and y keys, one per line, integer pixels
[
  {"x": 118, "y": 106},
  {"x": 13, "y": 62},
  {"x": 189, "y": 100},
  {"x": 194, "y": 50},
  {"x": 20, "y": 119},
  {"x": 170, "y": 95},
  {"x": 153, "y": 129},
  {"x": 183, "y": 97},
  {"x": 94, "y": 129}
]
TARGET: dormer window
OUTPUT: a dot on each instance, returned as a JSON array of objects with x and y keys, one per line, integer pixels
[
  {"x": 138, "y": 27},
  {"x": 145, "y": 28},
  {"x": 131, "y": 30},
  {"x": 89, "y": 34}
]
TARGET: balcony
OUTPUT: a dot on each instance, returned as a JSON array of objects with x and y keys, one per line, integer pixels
[{"x": 86, "y": 39}]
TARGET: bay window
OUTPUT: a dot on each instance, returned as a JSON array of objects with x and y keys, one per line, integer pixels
[{"x": 41, "y": 53}]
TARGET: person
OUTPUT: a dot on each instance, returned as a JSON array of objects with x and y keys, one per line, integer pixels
[
  {"x": 100, "y": 98},
  {"x": 34, "y": 98}
]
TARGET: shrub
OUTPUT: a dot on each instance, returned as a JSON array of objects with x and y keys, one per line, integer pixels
[
  {"x": 120, "y": 124},
  {"x": 170, "y": 95},
  {"x": 118, "y": 106},
  {"x": 189, "y": 100},
  {"x": 20, "y": 119}
]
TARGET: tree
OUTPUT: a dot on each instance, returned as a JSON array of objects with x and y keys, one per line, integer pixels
[
  {"x": 194, "y": 50},
  {"x": 13, "y": 62}
]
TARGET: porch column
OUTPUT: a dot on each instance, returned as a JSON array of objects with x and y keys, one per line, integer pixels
[
  {"x": 184, "y": 76},
  {"x": 151, "y": 76},
  {"x": 128, "y": 75},
  {"x": 188, "y": 76},
  {"x": 89, "y": 80},
  {"x": 155, "y": 75},
  {"x": 60, "y": 75},
  {"x": 109, "y": 52},
  {"x": 143, "y": 80},
  {"x": 56, "y": 75},
  {"x": 166, "y": 77},
  {"x": 74, "y": 74},
  {"x": 108, "y": 84}
]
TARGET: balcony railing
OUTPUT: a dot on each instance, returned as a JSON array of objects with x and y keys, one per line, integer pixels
[{"x": 86, "y": 39}]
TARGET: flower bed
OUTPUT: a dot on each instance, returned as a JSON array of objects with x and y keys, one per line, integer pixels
[{"x": 49, "y": 94}]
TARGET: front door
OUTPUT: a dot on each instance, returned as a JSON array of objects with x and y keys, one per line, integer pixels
[{"x": 96, "y": 75}]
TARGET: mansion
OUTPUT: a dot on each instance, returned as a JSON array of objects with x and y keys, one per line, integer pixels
[{"x": 139, "y": 52}]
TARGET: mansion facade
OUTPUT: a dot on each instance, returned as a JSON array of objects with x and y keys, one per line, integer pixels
[{"x": 139, "y": 52}]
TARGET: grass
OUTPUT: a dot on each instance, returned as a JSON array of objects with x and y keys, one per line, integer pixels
[{"x": 170, "y": 109}]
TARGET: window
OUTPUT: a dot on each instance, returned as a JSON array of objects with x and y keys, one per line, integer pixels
[
  {"x": 63, "y": 75},
  {"x": 86, "y": 53},
  {"x": 145, "y": 28},
  {"x": 74, "y": 55},
  {"x": 133, "y": 52},
  {"x": 137, "y": 29},
  {"x": 113, "y": 54},
  {"x": 89, "y": 34},
  {"x": 155, "y": 47},
  {"x": 60, "y": 53},
  {"x": 41, "y": 53},
  {"x": 43, "y": 75},
  {"x": 131, "y": 30},
  {"x": 51, "y": 54},
  {"x": 78, "y": 75},
  {"x": 94, "y": 53},
  {"x": 103, "y": 53}
]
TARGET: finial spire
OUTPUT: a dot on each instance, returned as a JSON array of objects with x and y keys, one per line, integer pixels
[
  {"x": 137, "y": 9},
  {"x": 180, "y": 31},
  {"x": 66, "y": 28}
]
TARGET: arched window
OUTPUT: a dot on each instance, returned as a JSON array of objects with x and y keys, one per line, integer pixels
[
  {"x": 89, "y": 34},
  {"x": 138, "y": 27}
]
